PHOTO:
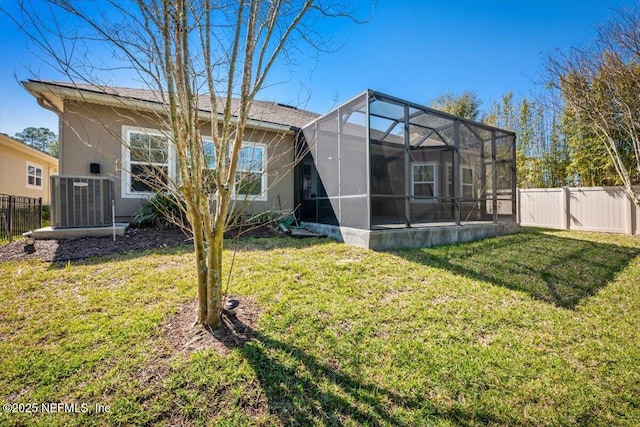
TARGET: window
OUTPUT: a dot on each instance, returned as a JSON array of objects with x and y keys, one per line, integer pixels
[
  {"x": 209, "y": 154},
  {"x": 209, "y": 151},
  {"x": 423, "y": 180},
  {"x": 147, "y": 161},
  {"x": 250, "y": 176},
  {"x": 251, "y": 181},
  {"x": 450, "y": 191},
  {"x": 467, "y": 186},
  {"x": 466, "y": 181},
  {"x": 34, "y": 175}
]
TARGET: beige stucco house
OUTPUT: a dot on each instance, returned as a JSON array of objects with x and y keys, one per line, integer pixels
[
  {"x": 376, "y": 171},
  {"x": 24, "y": 170},
  {"x": 100, "y": 125}
]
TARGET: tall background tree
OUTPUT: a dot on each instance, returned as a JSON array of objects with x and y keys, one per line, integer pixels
[
  {"x": 600, "y": 87},
  {"x": 41, "y": 138},
  {"x": 467, "y": 104},
  {"x": 187, "y": 52},
  {"x": 585, "y": 130},
  {"x": 542, "y": 150}
]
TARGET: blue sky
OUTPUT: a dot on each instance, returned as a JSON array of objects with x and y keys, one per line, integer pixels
[{"x": 415, "y": 50}]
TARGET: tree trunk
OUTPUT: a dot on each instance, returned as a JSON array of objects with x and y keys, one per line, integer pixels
[
  {"x": 209, "y": 267},
  {"x": 214, "y": 279},
  {"x": 634, "y": 197},
  {"x": 201, "y": 269}
]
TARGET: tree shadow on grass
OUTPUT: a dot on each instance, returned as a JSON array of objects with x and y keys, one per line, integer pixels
[
  {"x": 556, "y": 270},
  {"x": 302, "y": 390}
]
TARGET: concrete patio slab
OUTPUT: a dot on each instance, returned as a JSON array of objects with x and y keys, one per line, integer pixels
[
  {"x": 76, "y": 233},
  {"x": 415, "y": 237}
]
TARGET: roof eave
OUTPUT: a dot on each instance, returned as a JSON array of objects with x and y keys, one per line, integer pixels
[{"x": 51, "y": 96}]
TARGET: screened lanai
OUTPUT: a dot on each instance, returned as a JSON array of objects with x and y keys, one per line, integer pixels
[{"x": 379, "y": 162}]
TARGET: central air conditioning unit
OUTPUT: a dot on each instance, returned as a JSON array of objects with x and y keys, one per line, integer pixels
[{"x": 79, "y": 201}]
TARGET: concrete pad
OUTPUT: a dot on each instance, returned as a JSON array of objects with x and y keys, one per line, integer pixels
[
  {"x": 301, "y": 232},
  {"x": 76, "y": 233}
]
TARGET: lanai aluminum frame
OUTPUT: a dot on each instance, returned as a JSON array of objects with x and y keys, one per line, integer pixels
[{"x": 379, "y": 162}]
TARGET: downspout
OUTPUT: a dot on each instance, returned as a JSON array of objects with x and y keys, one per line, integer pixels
[
  {"x": 44, "y": 103},
  {"x": 48, "y": 105}
]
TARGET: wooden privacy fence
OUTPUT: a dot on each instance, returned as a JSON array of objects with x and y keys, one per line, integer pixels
[
  {"x": 18, "y": 215},
  {"x": 605, "y": 209}
]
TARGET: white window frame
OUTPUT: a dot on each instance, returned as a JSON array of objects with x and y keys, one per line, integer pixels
[
  {"x": 127, "y": 192},
  {"x": 35, "y": 176},
  {"x": 473, "y": 181},
  {"x": 262, "y": 197},
  {"x": 208, "y": 140},
  {"x": 449, "y": 179},
  {"x": 435, "y": 182}
]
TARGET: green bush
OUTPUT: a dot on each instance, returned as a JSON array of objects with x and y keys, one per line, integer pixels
[
  {"x": 46, "y": 213},
  {"x": 161, "y": 211}
]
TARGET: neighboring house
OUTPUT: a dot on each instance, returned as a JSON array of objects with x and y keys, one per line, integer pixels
[
  {"x": 24, "y": 170},
  {"x": 375, "y": 164}
]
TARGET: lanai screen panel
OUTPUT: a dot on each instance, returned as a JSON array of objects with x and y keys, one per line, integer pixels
[
  {"x": 471, "y": 185},
  {"x": 354, "y": 205},
  {"x": 387, "y": 160},
  {"x": 338, "y": 144},
  {"x": 506, "y": 186},
  {"x": 381, "y": 162},
  {"x": 488, "y": 189},
  {"x": 326, "y": 150},
  {"x": 430, "y": 152}
]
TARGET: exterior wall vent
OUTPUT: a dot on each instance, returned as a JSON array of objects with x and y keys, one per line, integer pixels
[{"x": 78, "y": 201}]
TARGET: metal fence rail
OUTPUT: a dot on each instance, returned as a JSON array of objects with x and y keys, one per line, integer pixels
[{"x": 18, "y": 215}]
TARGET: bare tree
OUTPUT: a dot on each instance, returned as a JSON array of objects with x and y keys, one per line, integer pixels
[
  {"x": 191, "y": 53},
  {"x": 600, "y": 86}
]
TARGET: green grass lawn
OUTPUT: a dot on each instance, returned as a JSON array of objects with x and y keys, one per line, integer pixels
[{"x": 538, "y": 328}]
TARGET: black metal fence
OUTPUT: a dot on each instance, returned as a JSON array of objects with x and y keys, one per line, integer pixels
[{"x": 18, "y": 215}]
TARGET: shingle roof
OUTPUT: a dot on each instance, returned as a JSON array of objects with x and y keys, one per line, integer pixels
[{"x": 262, "y": 111}]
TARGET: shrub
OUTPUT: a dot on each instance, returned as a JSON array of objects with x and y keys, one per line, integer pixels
[
  {"x": 238, "y": 220},
  {"x": 161, "y": 211},
  {"x": 46, "y": 212}
]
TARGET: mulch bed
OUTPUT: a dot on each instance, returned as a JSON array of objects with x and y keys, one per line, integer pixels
[
  {"x": 236, "y": 329},
  {"x": 134, "y": 239}
]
